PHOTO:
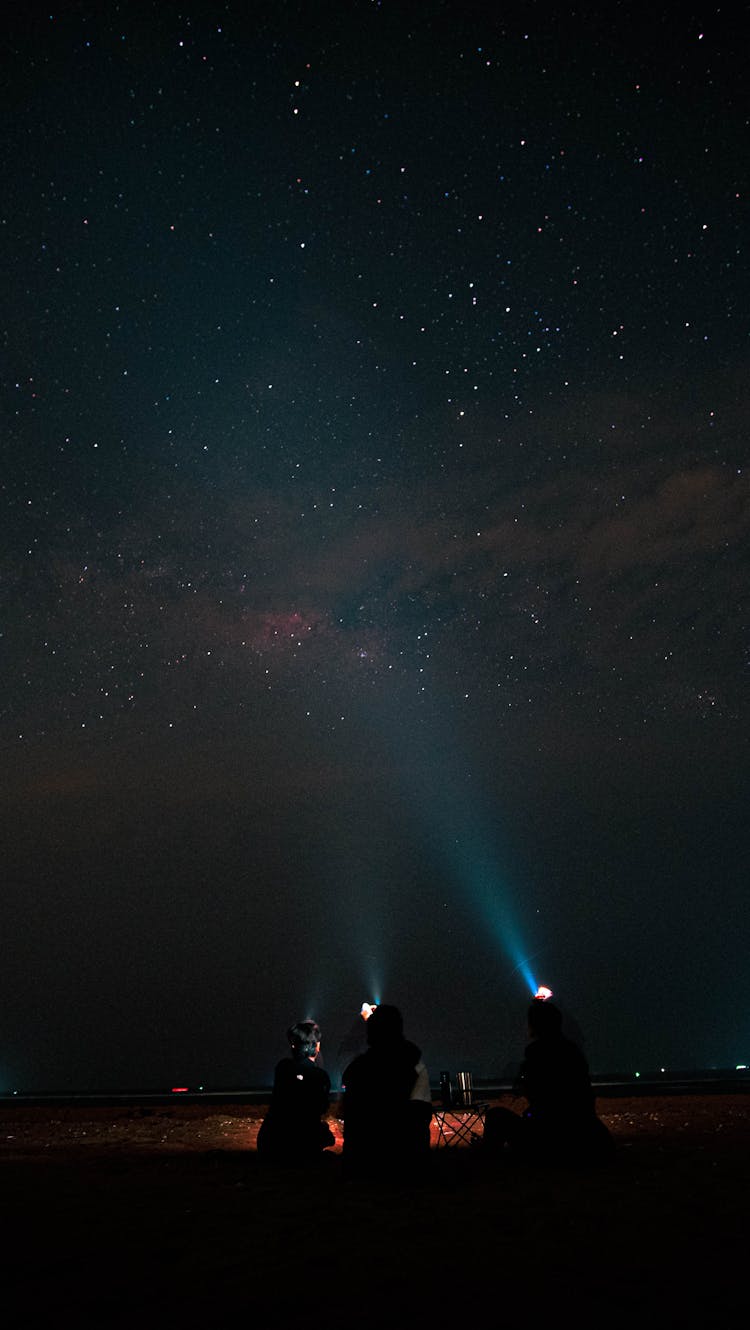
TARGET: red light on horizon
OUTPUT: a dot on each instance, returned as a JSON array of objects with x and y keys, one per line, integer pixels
[{"x": 180, "y": 1089}]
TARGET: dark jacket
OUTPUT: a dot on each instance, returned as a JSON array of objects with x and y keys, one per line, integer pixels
[
  {"x": 555, "y": 1080},
  {"x": 292, "y": 1127},
  {"x": 384, "y": 1129}
]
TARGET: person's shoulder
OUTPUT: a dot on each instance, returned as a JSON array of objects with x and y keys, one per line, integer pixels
[
  {"x": 360, "y": 1060},
  {"x": 574, "y": 1053},
  {"x": 315, "y": 1073},
  {"x": 542, "y": 1054},
  {"x": 356, "y": 1067},
  {"x": 284, "y": 1072}
]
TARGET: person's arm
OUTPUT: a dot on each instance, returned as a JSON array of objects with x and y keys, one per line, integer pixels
[{"x": 279, "y": 1093}]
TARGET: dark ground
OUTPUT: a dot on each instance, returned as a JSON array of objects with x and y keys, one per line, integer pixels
[{"x": 166, "y": 1217}]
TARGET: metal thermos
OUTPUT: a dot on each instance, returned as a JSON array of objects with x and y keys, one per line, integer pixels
[{"x": 465, "y": 1087}]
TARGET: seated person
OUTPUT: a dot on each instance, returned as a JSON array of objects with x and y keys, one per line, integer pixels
[
  {"x": 292, "y": 1130},
  {"x": 560, "y": 1122},
  {"x": 387, "y": 1101}
]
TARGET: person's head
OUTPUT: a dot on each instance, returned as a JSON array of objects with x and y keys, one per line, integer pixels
[
  {"x": 384, "y": 1026},
  {"x": 544, "y": 1019},
  {"x": 304, "y": 1038}
]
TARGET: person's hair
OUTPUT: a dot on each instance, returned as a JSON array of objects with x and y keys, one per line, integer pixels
[
  {"x": 304, "y": 1037},
  {"x": 544, "y": 1018},
  {"x": 385, "y": 1026}
]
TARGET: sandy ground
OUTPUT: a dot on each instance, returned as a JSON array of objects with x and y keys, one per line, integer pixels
[{"x": 166, "y": 1217}]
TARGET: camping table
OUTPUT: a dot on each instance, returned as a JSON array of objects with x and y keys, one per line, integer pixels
[{"x": 460, "y": 1124}]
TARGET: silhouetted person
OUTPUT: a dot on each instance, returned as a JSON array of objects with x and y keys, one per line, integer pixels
[
  {"x": 387, "y": 1102},
  {"x": 560, "y": 1122},
  {"x": 292, "y": 1131}
]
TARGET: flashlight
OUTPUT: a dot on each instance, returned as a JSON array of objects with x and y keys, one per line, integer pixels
[
  {"x": 543, "y": 994},
  {"x": 367, "y": 1010}
]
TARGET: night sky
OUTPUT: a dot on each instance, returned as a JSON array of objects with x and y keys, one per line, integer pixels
[{"x": 375, "y": 533}]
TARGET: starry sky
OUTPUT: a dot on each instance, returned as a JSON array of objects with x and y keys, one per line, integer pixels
[{"x": 375, "y": 530}]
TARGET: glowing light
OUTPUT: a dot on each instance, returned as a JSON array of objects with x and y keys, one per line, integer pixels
[
  {"x": 523, "y": 969},
  {"x": 460, "y": 826},
  {"x": 543, "y": 994},
  {"x": 367, "y": 1009},
  {"x": 180, "y": 1089}
]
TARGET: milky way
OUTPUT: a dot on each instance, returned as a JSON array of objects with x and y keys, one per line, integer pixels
[{"x": 376, "y": 528}]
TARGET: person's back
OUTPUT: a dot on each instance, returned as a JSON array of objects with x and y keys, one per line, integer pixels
[
  {"x": 560, "y": 1120},
  {"x": 292, "y": 1130},
  {"x": 387, "y": 1107},
  {"x": 555, "y": 1080}
]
